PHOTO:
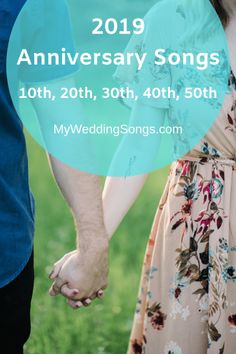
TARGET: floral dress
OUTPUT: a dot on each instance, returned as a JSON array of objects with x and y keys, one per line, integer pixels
[{"x": 187, "y": 296}]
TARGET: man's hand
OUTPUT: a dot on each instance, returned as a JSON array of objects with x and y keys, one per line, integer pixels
[{"x": 81, "y": 276}]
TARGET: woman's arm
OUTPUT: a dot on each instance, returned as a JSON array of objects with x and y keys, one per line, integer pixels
[
  {"x": 121, "y": 192},
  {"x": 118, "y": 196}
]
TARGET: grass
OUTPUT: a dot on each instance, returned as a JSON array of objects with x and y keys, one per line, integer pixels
[{"x": 104, "y": 327}]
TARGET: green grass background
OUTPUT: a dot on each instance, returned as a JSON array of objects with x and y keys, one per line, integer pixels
[{"x": 104, "y": 327}]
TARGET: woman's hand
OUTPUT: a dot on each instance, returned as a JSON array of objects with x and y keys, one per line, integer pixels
[{"x": 81, "y": 276}]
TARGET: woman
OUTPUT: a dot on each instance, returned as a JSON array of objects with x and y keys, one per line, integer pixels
[{"x": 189, "y": 306}]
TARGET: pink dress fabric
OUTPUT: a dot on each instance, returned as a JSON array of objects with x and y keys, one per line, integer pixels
[{"x": 187, "y": 296}]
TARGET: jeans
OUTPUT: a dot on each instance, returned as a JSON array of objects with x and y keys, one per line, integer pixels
[{"x": 15, "y": 302}]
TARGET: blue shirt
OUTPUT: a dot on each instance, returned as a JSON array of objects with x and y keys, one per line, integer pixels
[{"x": 16, "y": 201}]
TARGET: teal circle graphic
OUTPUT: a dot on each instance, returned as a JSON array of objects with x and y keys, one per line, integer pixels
[{"x": 118, "y": 89}]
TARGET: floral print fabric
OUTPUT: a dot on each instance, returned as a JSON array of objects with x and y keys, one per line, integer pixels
[{"x": 187, "y": 296}]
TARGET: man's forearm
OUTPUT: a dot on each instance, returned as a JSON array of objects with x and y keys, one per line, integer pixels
[{"x": 82, "y": 192}]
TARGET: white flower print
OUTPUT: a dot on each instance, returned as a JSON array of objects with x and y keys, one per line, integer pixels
[
  {"x": 204, "y": 318},
  {"x": 185, "y": 312},
  {"x": 232, "y": 329},
  {"x": 177, "y": 308},
  {"x": 203, "y": 302},
  {"x": 172, "y": 348}
]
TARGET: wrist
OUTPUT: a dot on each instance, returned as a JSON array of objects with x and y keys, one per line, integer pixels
[{"x": 92, "y": 242}]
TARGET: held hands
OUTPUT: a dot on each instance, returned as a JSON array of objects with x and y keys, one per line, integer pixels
[{"x": 81, "y": 276}]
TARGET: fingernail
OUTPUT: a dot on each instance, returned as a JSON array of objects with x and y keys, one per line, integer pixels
[
  {"x": 88, "y": 301},
  {"x": 50, "y": 275}
]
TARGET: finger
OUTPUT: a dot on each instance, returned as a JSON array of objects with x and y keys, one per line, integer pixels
[
  {"x": 87, "y": 302},
  {"x": 56, "y": 287},
  {"x": 69, "y": 293},
  {"x": 56, "y": 269},
  {"x": 53, "y": 291},
  {"x": 75, "y": 304},
  {"x": 100, "y": 294},
  {"x": 58, "y": 265}
]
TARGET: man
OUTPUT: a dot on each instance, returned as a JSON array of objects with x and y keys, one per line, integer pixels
[{"x": 83, "y": 196}]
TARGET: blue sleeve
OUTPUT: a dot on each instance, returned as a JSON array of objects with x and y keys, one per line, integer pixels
[
  {"x": 8, "y": 14},
  {"x": 46, "y": 28},
  {"x": 151, "y": 75}
]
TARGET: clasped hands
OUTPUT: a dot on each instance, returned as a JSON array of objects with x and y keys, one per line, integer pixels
[{"x": 81, "y": 275}]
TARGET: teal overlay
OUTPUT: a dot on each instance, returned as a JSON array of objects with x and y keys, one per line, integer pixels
[{"x": 53, "y": 54}]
